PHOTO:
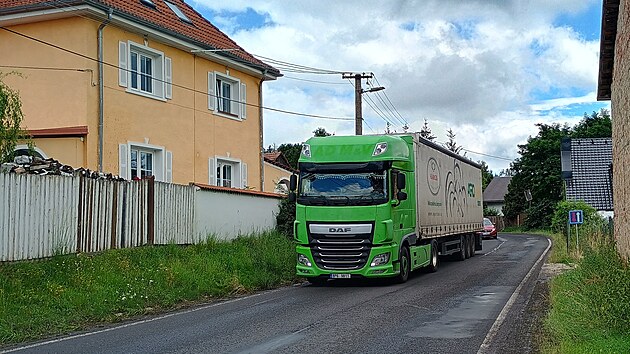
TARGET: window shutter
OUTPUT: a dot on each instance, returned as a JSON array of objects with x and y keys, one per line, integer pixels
[
  {"x": 168, "y": 77},
  {"x": 244, "y": 174},
  {"x": 122, "y": 161},
  {"x": 244, "y": 101},
  {"x": 211, "y": 95},
  {"x": 122, "y": 64},
  {"x": 212, "y": 172},
  {"x": 169, "y": 167}
]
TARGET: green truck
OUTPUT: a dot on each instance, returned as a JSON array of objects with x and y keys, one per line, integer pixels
[{"x": 376, "y": 206}]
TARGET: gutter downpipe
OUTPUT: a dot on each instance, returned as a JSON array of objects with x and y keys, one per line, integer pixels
[
  {"x": 101, "y": 88},
  {"x": 260, "y": 117}
]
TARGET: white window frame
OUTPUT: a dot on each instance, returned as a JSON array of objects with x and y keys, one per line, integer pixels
[
  {"x": 239, "y": 171},
  {"x": 162, "y": 160},
  {"x": 238, "y": 96},
  {"x": 161, "y": 76}
]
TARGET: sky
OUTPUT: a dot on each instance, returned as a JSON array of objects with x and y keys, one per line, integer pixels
[{"x": 489, "y": 70}]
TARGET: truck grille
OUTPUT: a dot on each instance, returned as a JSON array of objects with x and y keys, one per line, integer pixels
[{"x": 340, "y": 247}]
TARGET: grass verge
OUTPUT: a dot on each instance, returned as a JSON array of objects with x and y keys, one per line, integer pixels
[
  {"x": 590, "y": 304},
  {"x": 69, "y": 293}
]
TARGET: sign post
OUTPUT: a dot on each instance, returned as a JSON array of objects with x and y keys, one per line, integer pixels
[{"x": 576, "y": 217}]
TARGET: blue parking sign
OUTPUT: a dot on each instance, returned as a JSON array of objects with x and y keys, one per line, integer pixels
[{"x": 576, "y": 217}]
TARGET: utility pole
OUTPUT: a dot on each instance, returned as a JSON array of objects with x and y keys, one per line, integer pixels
[{"x": 358, "y": 114}]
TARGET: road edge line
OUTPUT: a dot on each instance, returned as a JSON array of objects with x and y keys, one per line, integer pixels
[
  {"x": 131, "y": 324},
  {"x": 508, "y": 305}
]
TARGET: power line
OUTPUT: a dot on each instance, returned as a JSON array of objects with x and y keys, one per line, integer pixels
[
  {"x": 163, "y": 81},
  {"x": 315, "y": 81},
  {"x": 390, "y": 102}
]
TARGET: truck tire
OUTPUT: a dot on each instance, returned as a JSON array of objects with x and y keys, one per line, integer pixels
[
  {"x": 472, "y": 245},
  {"x": 405, "y": 265},
  {"x": 467, "y": 246},
  {"x": 461, "y": 254},
  {"x": 433, "y": 262}
]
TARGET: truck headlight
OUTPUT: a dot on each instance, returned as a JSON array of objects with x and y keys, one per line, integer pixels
[
  {"x": 382, "y": 258},
  {"x": 303, "y": 260}
]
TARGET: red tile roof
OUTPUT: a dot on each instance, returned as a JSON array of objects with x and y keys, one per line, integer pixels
[
  {"x": 277, "y": 158},
  {"x": 201, "y": 32}
]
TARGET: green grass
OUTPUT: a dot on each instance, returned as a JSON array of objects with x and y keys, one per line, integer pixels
[
  {"x": 590, "y": 304},
  {"x": 68, "y": 293}
]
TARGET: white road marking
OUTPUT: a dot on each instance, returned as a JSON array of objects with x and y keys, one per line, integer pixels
[
  {"x": 496, "y": 248},
  {"x": 501, "y": 318},
  {"x": 131, "y": 324}
]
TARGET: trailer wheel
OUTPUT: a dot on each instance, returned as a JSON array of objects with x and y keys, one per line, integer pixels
[
  {"x": 405, "y": 265},
  {"x": 461, "y": 255},
  {"x": 472, "y": 245},
  {"x": 433, "y": 264},
  {"x": 467, "y": 246}
]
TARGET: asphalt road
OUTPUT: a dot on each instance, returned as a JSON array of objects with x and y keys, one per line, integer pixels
[{"x": 454, "y": 310}]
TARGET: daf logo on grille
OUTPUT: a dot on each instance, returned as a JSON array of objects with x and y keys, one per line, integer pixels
[{"x": 339, "y": 229}]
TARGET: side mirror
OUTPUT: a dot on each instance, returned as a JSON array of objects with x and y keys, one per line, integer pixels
[
  {"x": 293, "y": 183},
  {"x": 401, "y": 196},
  {"x": 401, "y": 181}
]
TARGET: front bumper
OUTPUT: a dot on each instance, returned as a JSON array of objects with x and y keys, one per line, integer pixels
[{"x": 389, "y": 269}]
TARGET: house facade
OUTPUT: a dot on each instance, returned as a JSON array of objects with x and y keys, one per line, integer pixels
[
  {"x": 136, "y": 88},
  {"x": 494, "y": 194},
  {"x": 277, "y": 171},
  {"x": 614, "y": 85}
]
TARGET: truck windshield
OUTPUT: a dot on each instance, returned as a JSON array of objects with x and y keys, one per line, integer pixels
[{"x": 364, "y": 188}]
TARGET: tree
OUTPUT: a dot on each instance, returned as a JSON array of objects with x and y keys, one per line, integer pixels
[
  {"x": 425, "y": 132},
  {"x": 597, "y": 125},
  {"x": 291, "y": 152},
  {"x": 451, "y": 144},
  {"x": 486, "y": 175},
  {"x": 537, "y": 170},
  {"x": 321, "y": 132},
  {"x": 11, "y": 118}
]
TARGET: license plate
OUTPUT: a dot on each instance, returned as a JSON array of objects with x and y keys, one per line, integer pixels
[{"x": 340, "y": 276}]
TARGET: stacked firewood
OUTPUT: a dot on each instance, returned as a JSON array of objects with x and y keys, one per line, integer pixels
[{"x": 38, "y": 166}]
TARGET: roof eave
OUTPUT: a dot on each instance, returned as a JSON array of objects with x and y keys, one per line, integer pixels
[
  {"x": 68, "y": 8},
  {"x": 610, "y": 13}
]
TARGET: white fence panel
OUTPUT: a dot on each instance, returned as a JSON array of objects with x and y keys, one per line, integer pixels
[
  {"x": 174, "y": 214},
  {"x": 227, "y": 215},
  {"x": 38, "y": 216},
  {"x": 41, "y": 216}
]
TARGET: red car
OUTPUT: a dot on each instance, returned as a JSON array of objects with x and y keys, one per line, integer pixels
[{"x": 489, "y": 230}]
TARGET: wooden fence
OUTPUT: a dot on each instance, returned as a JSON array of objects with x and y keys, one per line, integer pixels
[{"x": 41, "y": 216}]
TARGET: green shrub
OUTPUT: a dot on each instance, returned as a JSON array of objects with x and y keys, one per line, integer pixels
[
  {"x": 592, "y": 220},
  {"x": 285, "y": 218}
]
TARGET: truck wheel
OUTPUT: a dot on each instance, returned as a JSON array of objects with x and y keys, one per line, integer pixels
[
  {"x": 405, "y": 265},
  {"x": 472, "y": 245},
  {"x": 433, "y": 263},
  {"x": 467, "y": 246},
  {"x": 461, "y": 255}
]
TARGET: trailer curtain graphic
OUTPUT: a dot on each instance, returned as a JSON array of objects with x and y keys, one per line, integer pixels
[{"x": 455, "y": 192}]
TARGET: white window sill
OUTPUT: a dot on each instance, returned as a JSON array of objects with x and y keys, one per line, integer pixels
[
  {"x": 227, "y": 115},
  {"x": 145, "y": 94}
]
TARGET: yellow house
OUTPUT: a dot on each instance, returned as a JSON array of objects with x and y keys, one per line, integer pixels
[
  {"x": 136, "y": 88},
  {"x": 278, "y": 172}
]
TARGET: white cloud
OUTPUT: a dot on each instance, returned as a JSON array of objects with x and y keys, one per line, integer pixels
[{"x": 485, "y": 68}]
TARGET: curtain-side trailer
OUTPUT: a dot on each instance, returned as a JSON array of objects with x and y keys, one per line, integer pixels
[{"x": 382, "y": 206}]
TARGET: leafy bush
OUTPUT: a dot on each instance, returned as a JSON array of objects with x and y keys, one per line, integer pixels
[
  {"x": 490, "y": 212},
  {"x": 592, "y": 220},
  {"x": 285, "y": 218}
]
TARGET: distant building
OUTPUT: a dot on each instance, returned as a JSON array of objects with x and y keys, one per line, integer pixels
[
  {"x": 278, "y": 172},
  {"x": 494, "y": 195},
  {"x": 587, "y": 171}
]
